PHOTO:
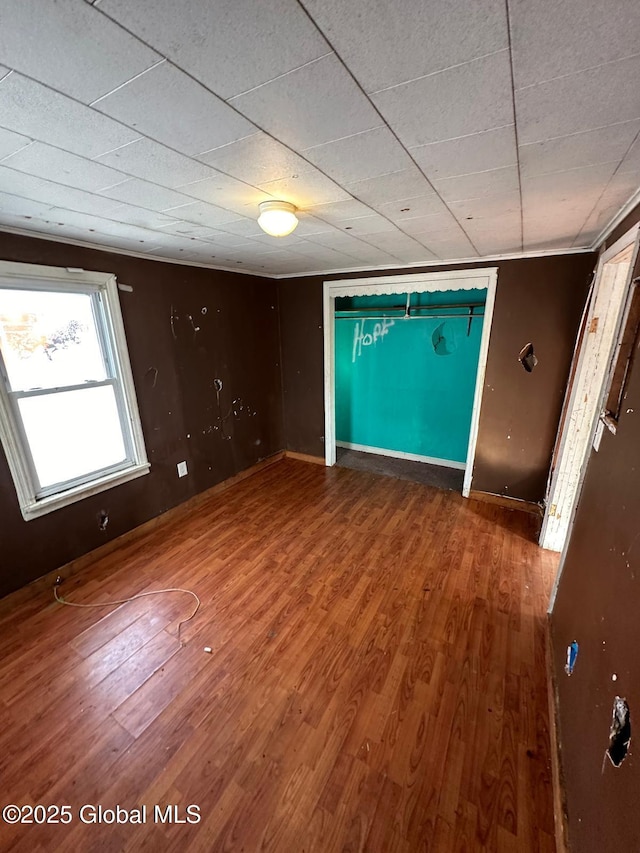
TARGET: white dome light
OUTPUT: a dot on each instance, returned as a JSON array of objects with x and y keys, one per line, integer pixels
[{"x": 277, "y": 218}]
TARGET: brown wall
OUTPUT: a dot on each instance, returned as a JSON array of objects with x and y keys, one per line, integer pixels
[
  {"x": 237, "y": 343},
  {"x": 598, "y": 604},
  {"x": 538, "y": 300}
]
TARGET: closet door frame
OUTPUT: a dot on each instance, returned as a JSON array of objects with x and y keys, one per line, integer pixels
[{"x": 472, "y": 279}]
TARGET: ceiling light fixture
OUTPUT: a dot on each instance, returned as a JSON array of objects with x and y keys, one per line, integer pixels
[{"x": 277, "y": 218}]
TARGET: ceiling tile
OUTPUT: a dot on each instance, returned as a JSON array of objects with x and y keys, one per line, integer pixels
[
  {"x": 206, "y": 214},
  {"x": 499, "y": 204},
  {"x": 51, "y": 193},
  {"x": 322, "y": 256},
  {"x": 293, "y": 266},
  {"x": 491, "y": 149},
  {"x": 169, "y": 106},
  {"x": 432, "y": 36},
  {"x": 308, "y": 225},
  {"x": 34, "y": 110},
  {"x": 498, "y": 243},
  {"x": 443, "y": 224},
  {"x": 479, "y": 185},
  {"x": 624, "y": 183},
  {"x": 363, "y": 226},
  {"x": 433, "y": 223},
  {"x": 374, "y": 256},
  {"x": 306, "y": 189},
  {"x": 385, "y": 189},
  {"x": 631, "y": 160},
  {"x": 551, "y": 40},
  {"x": 127, "y": 244},
  {"x": 302, "y": 129},
  {"x": 591, "y": 147},
  {"x": 17, "y": 205},
  {"x": 585, "y": 101},
  {"x": 190, "y": 229},
  {"x": 444, "y": 247},
  {"x": 568, "y": 190},
  {"x": 153, "y": 162},
  {"x": 225, "y": 192},
  {"x": 256, "y": 159},
  {"x": 246, "y": 228},
  {"x": 548, "y": 244},
  {"x": 397, "y": 242},
  {"x": 102, "y": 228},
  {"x": 233, "y": 241},
  {"x": 278, "y": 243},
  {"x": 230, "y": 45},
  {"x": 559, "y": 233},
  {"x": 317, "y": 103},
  {"x": 620, "y": 189},
  {"x": 11, "y": 142},
  {"x": 185, "y": 244},
  {"x": 144, "y": 194},
  {"x": 38, "y": 223},
  {"x": 57, "y": 43},
  {"x": 45, "y": 161},
  {"x": 338, "y": 211},
  {"x": 73, "y": 223},
  {"x": 365, "y": 155},
  {"x": 130, "y": 214},
  {"x": 421, "y": 112},
  {"x": 342, "y": 241},
  {"x": 281, "y": 254},
  {"x": 498, "y": 234},
  {"x": 410, "y": 208},
  {"x": 415, "y": 254}
]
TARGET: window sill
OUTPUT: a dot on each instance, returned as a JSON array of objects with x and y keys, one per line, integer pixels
[{"x": 49, "y": 504}]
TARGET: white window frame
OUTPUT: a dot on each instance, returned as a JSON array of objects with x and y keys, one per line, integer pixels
[{"x": 35, "y": 502}]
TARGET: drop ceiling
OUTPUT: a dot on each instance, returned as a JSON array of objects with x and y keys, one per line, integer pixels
[{"x": 405, "y": 132}]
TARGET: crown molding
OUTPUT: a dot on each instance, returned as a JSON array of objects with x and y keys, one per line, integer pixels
[
  {"x": 617, "y": 219},
  {"x": 510, "y": 256},
  {"x": 480, "y": 259},
  {"x": 114, "y": 250}
]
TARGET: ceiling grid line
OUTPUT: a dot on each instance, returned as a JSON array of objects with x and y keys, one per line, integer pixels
[
  {"x": 615, "y": 61},
  {"x": 515, "y": 120},
  {"x": 126, "y": 82},
  {"x": 635, "y": 140},
  {"x": 258, "y": 127},
  {"x": 439, "y": 71},
  {"x": 428, "y": 133},
  {"x": 356, "y": 81}
]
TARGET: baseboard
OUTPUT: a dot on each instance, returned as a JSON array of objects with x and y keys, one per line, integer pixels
[
  {"x": 506, "y": 502},
  {"x": 401, "y": 454},
  {"x": 79, "y": 563},
  {"x": 304, "y": 457},
  {"x": 559, "y": 799}
]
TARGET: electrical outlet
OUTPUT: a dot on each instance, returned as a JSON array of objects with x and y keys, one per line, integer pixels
[{"x": 182, "y": 469}]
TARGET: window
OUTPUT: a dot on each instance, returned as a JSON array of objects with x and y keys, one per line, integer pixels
[{"x": 69, "y": 420}]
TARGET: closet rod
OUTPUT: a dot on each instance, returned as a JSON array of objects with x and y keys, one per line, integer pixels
[
  {"x": 463, "y": 305},
  {"x": 413, "y": 317}
]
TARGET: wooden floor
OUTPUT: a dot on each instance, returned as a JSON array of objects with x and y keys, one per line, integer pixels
[{"x": 376, "y": 681}]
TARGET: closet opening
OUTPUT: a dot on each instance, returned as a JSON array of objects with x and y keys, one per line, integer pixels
[{"x": 405, "y": 359}]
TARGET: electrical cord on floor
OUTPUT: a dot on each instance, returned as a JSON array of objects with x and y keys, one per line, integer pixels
[{"x": 61, "y": 600}]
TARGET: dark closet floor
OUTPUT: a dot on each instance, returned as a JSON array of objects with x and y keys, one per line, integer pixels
[{"x": 439, "y": 476}]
